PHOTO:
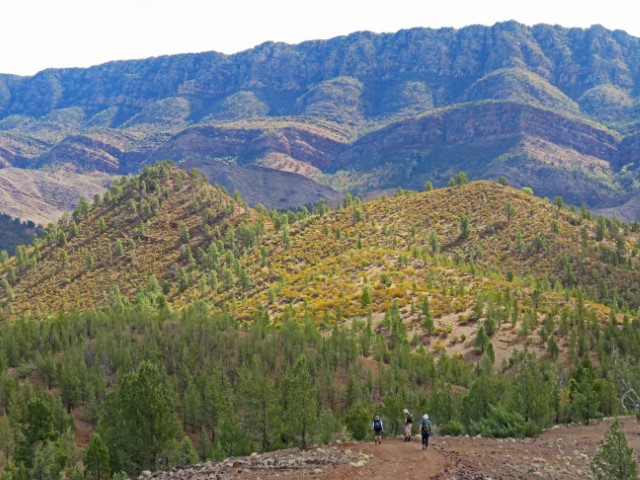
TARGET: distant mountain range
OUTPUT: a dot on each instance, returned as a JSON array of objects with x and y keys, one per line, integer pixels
[{"x": 548, "y": 107}]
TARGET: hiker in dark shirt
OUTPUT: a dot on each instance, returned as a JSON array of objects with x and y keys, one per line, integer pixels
[
  {"x": 378, "y": 430},
  {"x": 425, "y": 430}
]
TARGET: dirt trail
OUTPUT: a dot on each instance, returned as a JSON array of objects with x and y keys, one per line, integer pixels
[
  {"x": 562, "y": 453},
  {"x": 346, "y": 461},
  {"x": 393, "y": 459}
]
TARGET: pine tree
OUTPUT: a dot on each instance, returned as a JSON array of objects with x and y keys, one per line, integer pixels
[
  {"x": 357, "y": 420},
  {"x": 465, "y": 228},
  {"x": 509, "y": 211},
  {"x": 187, "y": 454},
  {"x": 434, "y": 243},
  {"x": 427, "y": 320},
  {"x": 138, "y": 422},
  {"x": 260, "y": 398},
  {"x": 45, "y": 463},
  {"x": 39, "y": 430},
  {"x": 119, "y": 248},
  {"x": 64, "y": 260},
  {"x": 482, "y": 339},
  {"x": 7, "y": 289},
  {"x": 365, "y": 298},
  {"x": 462, "y": 179},
  {"x": 615, "y": 459},
  {"x": 203, "y": 445},
  {"x": 96, "y": 460},
  {"x": 89, "y": 260},
  {"x": 552, "y": 348},
  {"x": 301, "y": 403}
]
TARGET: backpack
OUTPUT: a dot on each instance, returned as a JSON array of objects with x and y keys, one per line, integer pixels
[
  {"x": 377, "y": 425},
  {"x": 426, "y": 426},
  {"x": 409, "y": 418}
]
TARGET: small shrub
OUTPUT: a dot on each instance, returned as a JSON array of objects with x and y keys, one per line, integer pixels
[
  {"x": 500, "y": 423},
  {"x": 454, "y": 427}
]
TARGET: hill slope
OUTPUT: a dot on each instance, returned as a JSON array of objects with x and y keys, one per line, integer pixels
[
  {"x": 44, "y": 196},
  {"x": 198, "y": 243}
]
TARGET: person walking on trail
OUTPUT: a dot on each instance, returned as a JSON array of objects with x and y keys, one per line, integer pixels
[
  {"x": 407, "y": 424},
  {"x": 378, "y": 430},
  {"x": 425, "y": 430}
]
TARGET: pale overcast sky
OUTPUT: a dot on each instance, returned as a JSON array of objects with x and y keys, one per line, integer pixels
[{"x": 37, "y": 34}]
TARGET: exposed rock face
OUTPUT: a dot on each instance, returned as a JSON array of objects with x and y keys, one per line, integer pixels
[
  {"x": 625, "y": 208},
  {"x": 361, "y": 112}
]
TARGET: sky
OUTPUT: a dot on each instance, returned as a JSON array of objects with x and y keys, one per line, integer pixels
[{"x": 39, "y": 34}]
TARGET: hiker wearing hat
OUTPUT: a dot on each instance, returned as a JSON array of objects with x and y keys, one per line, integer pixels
[
  {"x": 378, "y": 430},
  {"x": 425, "y": 430},
  {"x": 407, "y": 424}
]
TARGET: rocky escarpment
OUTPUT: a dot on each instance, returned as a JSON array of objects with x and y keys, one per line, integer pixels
[
  {"x": 357, "y": 71},
  {"x": 84, "y": 152},
  {"x": 472, "y": 122},
  {"x": 285, "y": 164}
]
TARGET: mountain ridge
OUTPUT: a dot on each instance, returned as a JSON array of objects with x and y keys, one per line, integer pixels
[{"x": 308, "y": 109}]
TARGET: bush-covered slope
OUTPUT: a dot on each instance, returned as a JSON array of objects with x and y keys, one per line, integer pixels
[{"x": 198, "y": 243}]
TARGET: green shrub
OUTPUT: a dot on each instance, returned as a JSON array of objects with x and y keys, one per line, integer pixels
[
  {"x": 454, "y": 427},
  {"x": 358, "y": 421},
  {"x": 500, "y": 423}
]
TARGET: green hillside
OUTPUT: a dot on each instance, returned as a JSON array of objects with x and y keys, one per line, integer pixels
[{"x": 499, "y": 313}]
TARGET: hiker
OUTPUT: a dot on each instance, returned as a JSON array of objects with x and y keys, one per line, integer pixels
[
  {"x": 378, "y": 430},
  {"x": 407, "y": 424},
  {"x": 425, "y": 430}
]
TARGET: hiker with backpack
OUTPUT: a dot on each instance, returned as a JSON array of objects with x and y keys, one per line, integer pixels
[
  {"x": 425, "y": 430},
  {"x": 407, "y": 424},
  {"x": 378, "y": 430}
]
